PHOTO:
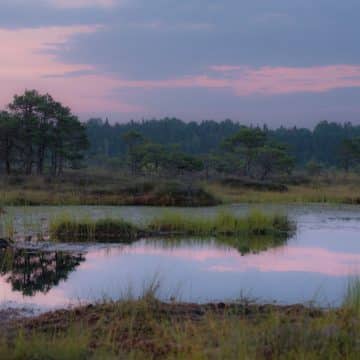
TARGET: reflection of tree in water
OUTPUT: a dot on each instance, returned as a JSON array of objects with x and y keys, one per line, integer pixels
[
  {"x": 245, "y": 245},
  {"x": 31, "y": 272},
  {"x": 253, "y": 244}
]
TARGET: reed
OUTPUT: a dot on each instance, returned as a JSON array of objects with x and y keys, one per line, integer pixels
[
  {"x": 67, "y": 229},
  {"x": 352, "y": 296},
  {"x": 224, "y": 223}
]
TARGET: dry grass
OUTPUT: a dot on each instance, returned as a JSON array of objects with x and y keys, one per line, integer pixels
[
  {"x": 148, "y": 329},
  {"x": 321, "y": 193},
  {"x": 98, "y": 190}
]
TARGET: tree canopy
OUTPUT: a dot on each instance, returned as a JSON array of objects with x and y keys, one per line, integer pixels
[{"x": 39, "y": 132}]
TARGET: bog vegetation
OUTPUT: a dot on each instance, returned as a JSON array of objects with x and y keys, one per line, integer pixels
[
  {"x": 146, "y": 328},
  {"x": 48, "y": 157},
  {"x": 170, "y": 224}
]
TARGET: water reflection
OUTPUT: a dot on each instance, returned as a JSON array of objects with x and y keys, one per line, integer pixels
[
  {"x": 243, "y": 244},
  {"x": 31, "y": 272},
  {"x": 314, "y": 264}
]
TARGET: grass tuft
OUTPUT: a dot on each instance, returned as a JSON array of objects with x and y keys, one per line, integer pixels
[
  {"x": 255, "y": 223},
  {"x": 352, "y": 296},
  {"x": 66, "y": 229}
]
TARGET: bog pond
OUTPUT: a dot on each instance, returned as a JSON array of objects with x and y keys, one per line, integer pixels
[{"x": 312, "y": 265}]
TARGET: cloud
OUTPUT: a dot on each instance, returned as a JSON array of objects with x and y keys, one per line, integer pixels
[
  {"x": 82, "y": 3},
  {"x": 246, "y": 81},
  {"x": 146, "y": 51},
  {"x": 27, "y": 63},
  {"x": 283, "y": 259},
  {"x": 295, "y": 259}
]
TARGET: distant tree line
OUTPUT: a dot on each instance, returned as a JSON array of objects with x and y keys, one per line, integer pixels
[
  {"x": 39, "y": 134},
  {"x": 328, "y": 144}
]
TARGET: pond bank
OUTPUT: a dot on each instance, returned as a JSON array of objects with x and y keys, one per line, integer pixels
[{"x": 149, "y": 329}]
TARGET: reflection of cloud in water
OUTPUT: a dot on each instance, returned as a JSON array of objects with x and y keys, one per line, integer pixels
[
  {"x": 54, "y": 298},
  {"x": 284, "y": 259},
  {"x": 315, "y": 260}
]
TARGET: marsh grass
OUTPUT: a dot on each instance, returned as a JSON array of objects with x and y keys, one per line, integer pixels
[
  {"x": 65, "y": 228},
  {"x": 311, "y": 193},
  {"x": 7, "y": 226},
  {"x": 352, "y": 296},
  {"x": 95, "y": 189},
  {"x": 145, "y": 328},
  {"x": 224, "y": 223},
  {"x": 70, "y": 345}
]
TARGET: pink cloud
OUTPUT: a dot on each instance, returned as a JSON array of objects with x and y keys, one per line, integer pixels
[
  {"x": 284, "y": 259},
  {"x": 245, "y": 81},
  {"x": 315, "y": 260},
  {"x": 25, "y": 63},
  {"x": 82, "y": 3}
]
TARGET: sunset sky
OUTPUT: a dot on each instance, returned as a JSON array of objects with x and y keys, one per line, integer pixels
[{"x": 290, "y": 62}]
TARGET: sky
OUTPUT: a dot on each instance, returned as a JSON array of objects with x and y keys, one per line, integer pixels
[{"x": 289, "y": 62}]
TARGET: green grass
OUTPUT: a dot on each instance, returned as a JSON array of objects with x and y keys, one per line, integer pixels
[
  {"x": 322, "y": 193},
  {"x": 255, "y": 223},
  {"x": 147, "y": 329},
  {"x": 352, "y": 297},
  {"x": 64, "y": 228}
]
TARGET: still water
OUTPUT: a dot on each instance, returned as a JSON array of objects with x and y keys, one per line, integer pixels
[{"x": 314, "y": 264}]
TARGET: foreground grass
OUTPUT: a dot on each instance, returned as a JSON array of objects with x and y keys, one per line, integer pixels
[
  {"x": 170, "y": 224},
  {"x": 352, "y": 298},
  {"x": 149, "y": 329}
]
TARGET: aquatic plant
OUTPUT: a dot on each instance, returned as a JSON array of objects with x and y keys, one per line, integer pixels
[
  {"x": 169, "y": 224},
  {"x": 224, "y": 223},
  {"x": 67, "y": 229}
]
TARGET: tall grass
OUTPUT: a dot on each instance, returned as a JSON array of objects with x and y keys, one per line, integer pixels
[
  {"x": 147, "y": 329},
  {"x": 352, "y": 296},
  {"x": 65, "y": 228},
  {"x": 255, "y": 223},
  {"x": 7, "y": 226}
]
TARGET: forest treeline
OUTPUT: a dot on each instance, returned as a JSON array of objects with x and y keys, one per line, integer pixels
[
  {"x": 40, "y": 135},
  {"x": 327, "y": 144}
]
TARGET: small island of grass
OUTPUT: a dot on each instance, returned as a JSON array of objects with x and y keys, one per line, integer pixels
[{"x": 170, "y": 224}]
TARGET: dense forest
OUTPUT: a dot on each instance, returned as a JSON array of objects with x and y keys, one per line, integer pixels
[
  {"x": 324, "y": 144},
  {"x": 40, "y": 135}
]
